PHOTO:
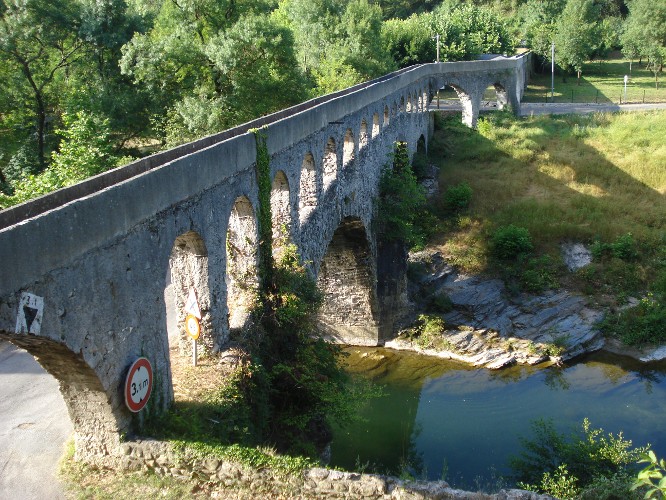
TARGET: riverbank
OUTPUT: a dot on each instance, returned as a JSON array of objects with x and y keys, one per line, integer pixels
[{"x": 486, "y": 326}]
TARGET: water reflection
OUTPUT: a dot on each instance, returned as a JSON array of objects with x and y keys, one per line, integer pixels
[{"x": 444, "y": 416}]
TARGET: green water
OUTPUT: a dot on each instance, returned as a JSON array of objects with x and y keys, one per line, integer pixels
[{"x": 441, "y": 418}]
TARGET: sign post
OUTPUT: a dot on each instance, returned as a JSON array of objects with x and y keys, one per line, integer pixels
[
  {"x": 138, "y": 385},
  {"x": 192, "y": 325},
  {"x": 193, "y": 330}
]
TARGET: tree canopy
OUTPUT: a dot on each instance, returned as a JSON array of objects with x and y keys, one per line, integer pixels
[{"x": 156, "y": 73}]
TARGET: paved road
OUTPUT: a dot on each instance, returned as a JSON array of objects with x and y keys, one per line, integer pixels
[
  {"x": 530, "y": 108},
  {"x": 34, "y": 425}
]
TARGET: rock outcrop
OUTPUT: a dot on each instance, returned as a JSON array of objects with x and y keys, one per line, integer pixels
[{"x": 492, "y": 329}]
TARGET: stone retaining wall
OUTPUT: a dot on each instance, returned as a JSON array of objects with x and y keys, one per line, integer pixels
[{"x": 162, "y": 459}]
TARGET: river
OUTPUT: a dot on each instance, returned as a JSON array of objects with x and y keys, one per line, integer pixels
[{"x": 440, "y": 419}]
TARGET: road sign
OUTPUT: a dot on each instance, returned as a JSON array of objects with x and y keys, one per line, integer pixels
[
  {"x": 138, "y": 385},
  {"x": 192, "y": 305},
  {"x": 192, "y": 326},
  {"x": 30, "y": 312}
]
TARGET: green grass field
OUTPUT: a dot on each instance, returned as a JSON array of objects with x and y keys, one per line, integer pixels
[
  {"x": 601, "y": 81},
  {"x": 564, "y": 178}
]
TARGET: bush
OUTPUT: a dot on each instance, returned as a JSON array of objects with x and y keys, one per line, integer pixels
[
  {"x": 573, "y": 465},
  {"x": 510, "y": 242},
  {"x": 440, "y": 303},
  {"x": 539, "y": 274},
  {"x": 640, "y": 325},
  {"x": 458, "y": 197},
  {"x": 624, "y": 247}
]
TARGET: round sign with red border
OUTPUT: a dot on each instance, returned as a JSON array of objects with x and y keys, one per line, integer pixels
[
  {"x": 192, "y": 326},
  {"x": 138, "y": 384}
]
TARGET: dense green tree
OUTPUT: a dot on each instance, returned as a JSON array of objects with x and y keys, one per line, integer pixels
[
  {"x": 577, "y": 35},
  {"x": 338, "y": 43},
  {"x": 211, "y": 65},
  {"x": 645, "y": 32},
  {"x": 39, "y": 40},
  {"x": 409, "y": 41}
]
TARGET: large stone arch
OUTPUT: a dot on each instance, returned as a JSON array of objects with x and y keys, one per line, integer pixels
[
  {"x": 470, "y": 104},
  {"x": 307, "y": 194},
  {"x": 502, "y": 95},
  {"x": 242, "y": 253},
  {"x": 329, "y": 163},
  {"x": 280, "y": 212},
  {"x": 347, "y": 278},
  {"x": 188, "y": 273},
  {"x": 98, "y": 414}
]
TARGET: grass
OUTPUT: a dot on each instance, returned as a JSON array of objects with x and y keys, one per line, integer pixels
[
  {"x": 601, "y": 81},
  {"x": 563, "y": 178},
  {"x": 201, "y": 424}
]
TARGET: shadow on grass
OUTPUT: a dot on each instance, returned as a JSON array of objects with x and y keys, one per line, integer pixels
[{"x": 539, "y": 173}]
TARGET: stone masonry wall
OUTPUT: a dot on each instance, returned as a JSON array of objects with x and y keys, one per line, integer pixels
[{"x": 314, "y": 483}]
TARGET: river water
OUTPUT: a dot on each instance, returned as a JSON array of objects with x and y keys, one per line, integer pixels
[{"x": 441, "y": 419}]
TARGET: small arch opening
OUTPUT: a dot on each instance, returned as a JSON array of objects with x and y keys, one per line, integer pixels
[
  {"x": 375, "y": 125},
  {"x": 280, "y": 213},
  {"x": 241, "y": 275},
  {"x": 363, "y": 135},
  {"x": 307, "y": 196},
  {"x": 348, "y": 148},
  {"x": 188, "y": 274},
  {"x": 386, "y": 116},
  {"x": 330, "y": 163}
]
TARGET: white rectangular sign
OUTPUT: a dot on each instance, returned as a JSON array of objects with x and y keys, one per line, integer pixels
[{"x": 29, "y": 315}]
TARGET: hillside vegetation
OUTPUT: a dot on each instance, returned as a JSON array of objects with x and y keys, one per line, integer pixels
[
  {"x": 88, "y": 85},
  {"x": 596, "y": 179}
]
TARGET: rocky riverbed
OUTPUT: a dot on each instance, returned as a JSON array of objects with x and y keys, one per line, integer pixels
[{"x": 487, "y": 327}]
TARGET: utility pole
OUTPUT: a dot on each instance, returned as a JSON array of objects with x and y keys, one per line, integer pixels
[
  {"x": 552, "y": 72},
  {"x": 436, "y": 37}
]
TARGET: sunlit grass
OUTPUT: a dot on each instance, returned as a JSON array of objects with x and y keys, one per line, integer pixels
[
  {"x": 566, "y": 178},
  {"x": 601, "y": 81}
]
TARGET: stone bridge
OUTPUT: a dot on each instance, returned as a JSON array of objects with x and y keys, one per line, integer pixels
[{"x": 96, "y": 275}]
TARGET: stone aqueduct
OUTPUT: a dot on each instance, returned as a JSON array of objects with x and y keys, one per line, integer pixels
[{"x": 95, "y": 275}]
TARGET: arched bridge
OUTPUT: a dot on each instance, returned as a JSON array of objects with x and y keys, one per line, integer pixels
[{"x": 98, "y": 274}]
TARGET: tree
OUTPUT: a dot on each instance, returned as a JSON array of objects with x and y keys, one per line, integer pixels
[
  {"x": 201, "y": 53},
  {"x": 645, "y": 32},
  {"x": 409, "y": 41},
  {"x": 39, "y": 39},
  {"x": 338, "y": 43},
  {"x": 576, "y": 38}
]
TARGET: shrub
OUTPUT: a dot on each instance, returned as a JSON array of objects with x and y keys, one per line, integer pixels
[
  {"x": 510, "y": 242},
  {"x": 567, "y": 466},
  {"x": 539, "y": 274},
  {"x": 639, "y": 325},
  {"x": 458, "y": 197},
  {"x": 440, "y": 303},
  {"x": 624, "y": 247}
]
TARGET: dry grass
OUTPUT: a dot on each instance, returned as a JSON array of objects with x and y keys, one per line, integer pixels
[{"x": 564, "y": 178}]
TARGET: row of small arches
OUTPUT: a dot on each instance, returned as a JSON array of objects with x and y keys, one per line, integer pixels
[{"x": 308, "y": 192}]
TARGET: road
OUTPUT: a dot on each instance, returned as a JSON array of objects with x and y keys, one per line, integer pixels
[
  {"x": 34, "y": 426},
  {"x": 558, "y": 108}
]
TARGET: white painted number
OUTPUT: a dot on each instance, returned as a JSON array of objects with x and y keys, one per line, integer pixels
[{"x": 139, "y": 385}]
